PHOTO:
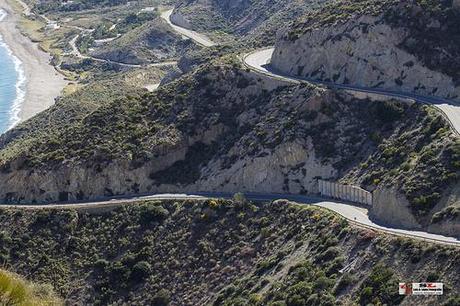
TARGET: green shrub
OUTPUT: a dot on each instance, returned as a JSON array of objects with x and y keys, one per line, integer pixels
[
  {"x": 266, "y": 265},
  {"x": 380, "y": 287},
  {"x": 152, "y": 212},
  {"x": 388, "y": 111},
  {"x": 240, "y": 198},
  {"x": 424, "y": 203},
  {"x": 346, "y": 280},
  {"x": 141, "y": 270},
  {"x": 161, "y": 298}
]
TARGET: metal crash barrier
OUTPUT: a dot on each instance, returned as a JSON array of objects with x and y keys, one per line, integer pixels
[{"x": 345, "y": 192}]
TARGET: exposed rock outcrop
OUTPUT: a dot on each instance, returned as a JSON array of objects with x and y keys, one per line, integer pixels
[
  {"x": 449, "y": 228},
  {"x": 291, "y": 168},
  {"x": 178, "y": 19},
  {"x": 76, "y": 182},
  {"x": 392, "y": 208},
  {"x": 445, "y": 218},
  {"x": 392, "y": 48},
  {"x": 226, "y": 129}
]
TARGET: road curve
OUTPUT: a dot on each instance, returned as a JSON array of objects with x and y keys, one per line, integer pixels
[
  {"x": 199, "y": 38},
  {"x": 356, "y": 215},
  {"x": 75, "y": 52},
  {"x": 27, "y": 11},
  {"x": 259, "y": 61}
]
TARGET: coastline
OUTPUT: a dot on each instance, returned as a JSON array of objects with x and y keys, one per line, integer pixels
[{"x": 42, "y": 82}]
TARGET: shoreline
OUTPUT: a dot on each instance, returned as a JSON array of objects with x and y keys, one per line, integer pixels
[
  {"x": 43, "y": 83},
  {"x": 20, "y": 84}
]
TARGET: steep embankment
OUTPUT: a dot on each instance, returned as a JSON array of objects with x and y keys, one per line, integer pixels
[
  {"x": 258, "y": 19},
  {"x": 402, "y": 46},
  {"x": 218, "y": 252},
  {"x": 407, "y": 46},
  {"x": 222, "y": 128},
  {"x": 152, "y": 42}
]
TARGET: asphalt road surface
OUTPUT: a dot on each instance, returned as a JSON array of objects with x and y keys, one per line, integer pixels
[
  {"x": 197, "y": 37},
  {"x": 260, "y": 62},
  {"x": 355, "y": 214}
]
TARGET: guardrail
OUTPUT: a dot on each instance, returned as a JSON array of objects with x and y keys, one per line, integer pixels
[{"x": 345, "y": 192}]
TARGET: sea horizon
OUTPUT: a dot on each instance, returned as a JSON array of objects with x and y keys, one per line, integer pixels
[{"x": 12, "y": 85}]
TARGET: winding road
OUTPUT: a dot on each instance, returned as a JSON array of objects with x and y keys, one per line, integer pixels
[
  {"x": 75, "y": 52},
  {"x": 355, "y": 215},
  {"x": 27, "y": 11},
  {"x": 259, "y": 62},
  {"x": 199, "y": 38}
]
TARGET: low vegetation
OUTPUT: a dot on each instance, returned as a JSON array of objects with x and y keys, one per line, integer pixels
[
  {"x": 153, "y": 41},
  {"x": 16, "y": 291},
  {"x": 395, "y": 144},
  {"x": 257, "y": 22},
  {"x": 216, "y": 252},
  {"x": 423, "y": 162}
]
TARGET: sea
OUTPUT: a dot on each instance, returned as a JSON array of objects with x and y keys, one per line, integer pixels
[{"x": 12, "y": 85}]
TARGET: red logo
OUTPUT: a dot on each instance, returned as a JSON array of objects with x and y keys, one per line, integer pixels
[{"x": 405, "y": 288}]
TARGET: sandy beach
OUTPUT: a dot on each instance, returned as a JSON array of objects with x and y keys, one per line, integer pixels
[{"x": 43, "y": 82}]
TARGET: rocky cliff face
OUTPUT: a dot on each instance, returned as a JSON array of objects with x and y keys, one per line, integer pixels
[
  {"x": 223, "y": 128},
  {"x": 242, "y": 155},
  {"x": 401, "y": 46},
  {"x": 392, "y": 208}
]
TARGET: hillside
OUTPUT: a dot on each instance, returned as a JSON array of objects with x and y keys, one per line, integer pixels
[
  {"x": 99, "y": 39},
  {"x": 148, "y": 112},
  {"x": 14, "y": 290},
  {"x": 218, "y": 253},
  {"x": 407, "y": 46},
  {"x": 257, "y": 137},
  {"x": 259, "y": 20},
  {"x": 152, "y": 42}
]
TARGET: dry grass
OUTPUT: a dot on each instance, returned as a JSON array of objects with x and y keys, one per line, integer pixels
[{"x": 16, "y": 291}]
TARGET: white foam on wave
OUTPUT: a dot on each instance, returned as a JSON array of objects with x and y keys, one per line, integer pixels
[{"x": 20, "y": 83}]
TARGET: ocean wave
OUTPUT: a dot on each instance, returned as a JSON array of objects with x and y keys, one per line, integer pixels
[{"x": 20, "y": 83}]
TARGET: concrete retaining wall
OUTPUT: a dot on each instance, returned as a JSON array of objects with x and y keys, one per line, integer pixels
[{"x": 345, "y": 192}]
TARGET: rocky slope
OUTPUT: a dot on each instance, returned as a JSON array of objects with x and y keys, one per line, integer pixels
[
  {"x": 404, "y": 46},
  {"x": 152, "y": 42},
  {"x": 219, "y": 253},
  {"x": 407, "y": 46},
  {"x": 222, "y": 128},
  {"x": 258, "y": 19}
]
